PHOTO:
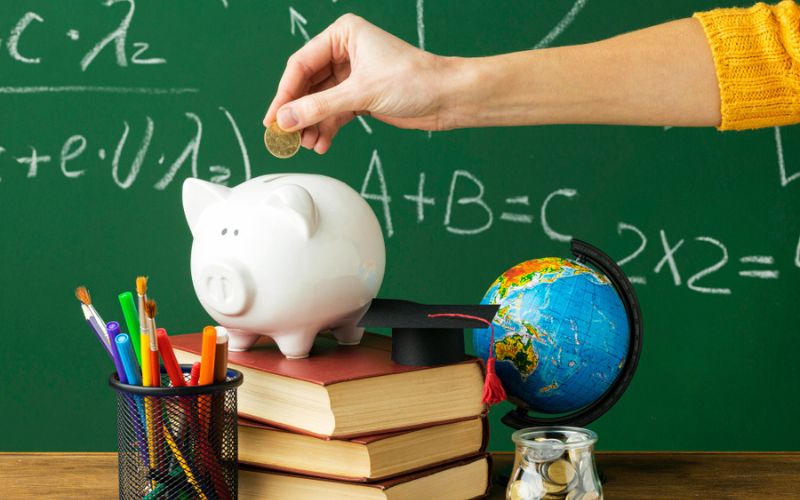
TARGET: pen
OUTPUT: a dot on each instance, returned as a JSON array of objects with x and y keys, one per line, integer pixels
[
  {"x": 194, "y": 376},
  {"x": 207, "y": 355},
  {"x": 128, "y": 357},
  {"x": 221, "y": 355},
  {"x": 134, "y": 376},
  {"x": 112, "y": 327},
  {"x": 131, "y": 319},
  {"x": 170, "y": 362}
]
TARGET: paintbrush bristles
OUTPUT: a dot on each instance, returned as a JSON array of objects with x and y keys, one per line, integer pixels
[
  {"x": 83, "y": 295},
  {"x": 150, "y": 309},
  {"x": 141, "y": 285}
]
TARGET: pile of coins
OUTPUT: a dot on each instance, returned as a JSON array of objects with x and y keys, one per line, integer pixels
[
  {"x": 551, "y": 472},
  {"x": 280, "y": 143}
]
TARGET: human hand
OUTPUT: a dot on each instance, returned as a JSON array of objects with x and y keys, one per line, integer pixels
[{"x": 351, "y": 68}]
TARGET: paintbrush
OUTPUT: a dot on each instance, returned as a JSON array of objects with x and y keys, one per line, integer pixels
[
  {"x": 141, "y": 297},
  {"x": 93, "y": 317},
  {"x": 150, "y": 310}
]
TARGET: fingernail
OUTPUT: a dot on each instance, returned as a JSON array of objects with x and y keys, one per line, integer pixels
[{"x": 287, "y": 118}]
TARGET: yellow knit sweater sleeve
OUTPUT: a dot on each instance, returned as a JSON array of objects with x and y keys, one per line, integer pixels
[{"x": 757, "y": 56}]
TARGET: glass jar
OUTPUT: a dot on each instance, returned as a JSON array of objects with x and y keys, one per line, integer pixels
[{"x": 554, "y": 463}]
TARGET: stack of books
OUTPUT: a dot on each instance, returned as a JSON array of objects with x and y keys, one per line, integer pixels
[{"x": 348, "y": 422}]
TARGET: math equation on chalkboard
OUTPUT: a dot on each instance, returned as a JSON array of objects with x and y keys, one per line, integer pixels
[{"x": 30, "y": 36}]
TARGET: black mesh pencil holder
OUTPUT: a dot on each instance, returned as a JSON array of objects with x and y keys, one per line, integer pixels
[{"x": 177, "y": 442}]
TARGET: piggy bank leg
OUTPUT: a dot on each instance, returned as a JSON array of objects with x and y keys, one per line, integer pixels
[
  {"x": 296, "y": 345},
  {"x": 240, "y": 340},
  {"x": 348, "y": 335}
]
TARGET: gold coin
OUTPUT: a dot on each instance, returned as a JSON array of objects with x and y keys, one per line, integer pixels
[
  {"x": 279, "y": 143},
  {"x": 555, "y": 490},
  {"x": 560, "y": 472}
]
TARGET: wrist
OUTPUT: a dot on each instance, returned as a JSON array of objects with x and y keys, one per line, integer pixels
[
  {"x": 459, "y": 92},
  {"x": 502, "y": 90}
]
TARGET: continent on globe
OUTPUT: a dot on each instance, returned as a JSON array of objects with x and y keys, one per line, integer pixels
[
  {"x": 561, "y": 334},
  {"x": 519, "y": 351}
]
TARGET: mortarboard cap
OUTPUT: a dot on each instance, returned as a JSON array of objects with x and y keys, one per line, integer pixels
[{"x": 418, "y": 339}]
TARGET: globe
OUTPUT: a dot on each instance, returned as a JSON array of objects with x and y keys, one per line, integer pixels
[{"x": 561, "y": 334}]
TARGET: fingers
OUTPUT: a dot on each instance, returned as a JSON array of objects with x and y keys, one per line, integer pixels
[
  {"x": 328, "y": 129},
  {"x": 309, "y": 138},
  {"x": 314, "y": 108},
  {"x": 323, "y": 133},
  {"x": 304, "y": 66}
]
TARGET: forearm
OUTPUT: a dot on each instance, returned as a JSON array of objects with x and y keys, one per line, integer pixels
[{"x": 662, "y": 75}]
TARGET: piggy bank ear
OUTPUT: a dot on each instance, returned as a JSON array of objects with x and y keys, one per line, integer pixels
[
  {"x": 198, "y": 196},
  {"x": 297, "y": 202}
]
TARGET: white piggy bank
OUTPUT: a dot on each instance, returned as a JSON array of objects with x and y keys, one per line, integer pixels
[{"x": 285, "y": 255}]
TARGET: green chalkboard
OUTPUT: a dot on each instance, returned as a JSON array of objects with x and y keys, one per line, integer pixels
[{"x": 179, "y": 89}]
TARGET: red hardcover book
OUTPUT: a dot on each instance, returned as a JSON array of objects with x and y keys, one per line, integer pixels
[
  {"x": 367, "y": 458},
  {"x": 468, "y": 478},
  {"x": 347, "y": 391}
]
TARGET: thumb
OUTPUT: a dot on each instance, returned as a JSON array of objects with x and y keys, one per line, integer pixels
[{"x": 313, "y": 108}]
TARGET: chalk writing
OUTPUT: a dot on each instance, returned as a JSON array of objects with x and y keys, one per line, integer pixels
[
  {"x": 33, "y": 161},
  {"x": 13, "y": 41},
  {"x": 68, "y": 153},
  {"x": 420, "y": 199},
  {"x": 553, "y": 235},
  {"x": 692, "y": 282},
  {"x": 559, "y": 28},
  {"x": 622, "y": 226},
  {"x": 476, "y": 199},
  {"x": 298, "y": 22},
  {"x": 669, "y": 258},
  {"x": 785, "y": 180},
  {"x": 383, "y": 197}
]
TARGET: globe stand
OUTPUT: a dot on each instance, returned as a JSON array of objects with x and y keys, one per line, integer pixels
[{"x": 520, "y": 417}]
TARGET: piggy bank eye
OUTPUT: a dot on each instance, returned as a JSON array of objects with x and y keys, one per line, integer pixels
[
  {"x": 236, "y": 232},
  {"x": 224, "y": 231}
]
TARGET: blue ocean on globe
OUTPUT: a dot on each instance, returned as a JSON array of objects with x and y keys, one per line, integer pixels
[{"x": 561, "y": 334}]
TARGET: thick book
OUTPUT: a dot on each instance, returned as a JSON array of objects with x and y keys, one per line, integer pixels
[
  {"x": 368, "y": 458},
  {"x": 347, "y": 391},
  {"x": 464, "y": 479}
]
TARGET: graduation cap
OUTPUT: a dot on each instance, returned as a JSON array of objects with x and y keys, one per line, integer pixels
[{"x": 426, "y": 335}]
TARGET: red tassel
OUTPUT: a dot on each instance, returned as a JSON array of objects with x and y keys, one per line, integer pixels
[{"x": 493, "y": 391}]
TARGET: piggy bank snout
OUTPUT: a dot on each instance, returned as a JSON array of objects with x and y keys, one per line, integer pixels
[{"x": 226, "y": 287}]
